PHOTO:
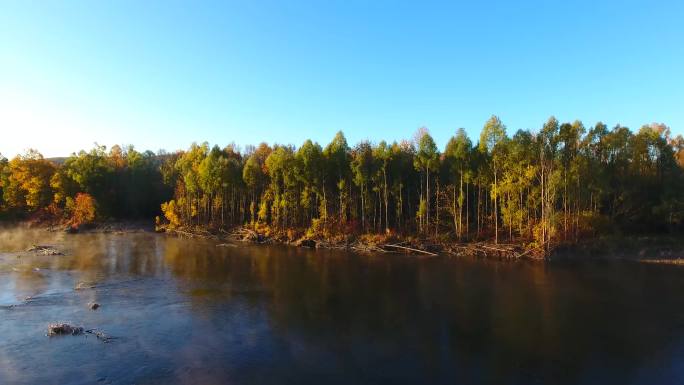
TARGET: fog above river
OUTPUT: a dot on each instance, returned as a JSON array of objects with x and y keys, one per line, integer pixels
[{"x": 187, "y": 311}]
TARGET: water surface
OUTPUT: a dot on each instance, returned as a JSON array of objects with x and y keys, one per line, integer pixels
[{"x": 188, "y": 312}]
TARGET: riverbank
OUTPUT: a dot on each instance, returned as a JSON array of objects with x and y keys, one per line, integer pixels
[
  {"x": 655, "y": 249},
  {"x": 367, "y": 243},
  {"x": 113, "y": 226}
]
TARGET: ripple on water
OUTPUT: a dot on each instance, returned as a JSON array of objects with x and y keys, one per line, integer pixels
[{"x": 185, "y": 311}]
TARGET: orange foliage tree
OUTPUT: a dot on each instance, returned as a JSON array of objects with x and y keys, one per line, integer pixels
[{"x": 83, "y": 210}]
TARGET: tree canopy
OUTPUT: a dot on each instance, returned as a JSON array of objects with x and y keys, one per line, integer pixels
[{"x": 558, "y": 183}]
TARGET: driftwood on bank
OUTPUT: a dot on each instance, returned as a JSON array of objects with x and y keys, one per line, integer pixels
[
  {"x": 367, "y": 248},
  {"x": 500, "y": 251},
  {"x": 245, "y": 234},
  {"x": 397, "y": 246},
  {"x": 192, "y": 234},
  {"x": 506, "y": 251},
  {"x": 529, "y": 251},
  {"x": 226, "y": 245}
]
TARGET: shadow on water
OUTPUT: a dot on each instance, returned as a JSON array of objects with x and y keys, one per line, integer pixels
[{"x": 186, "y": 311}]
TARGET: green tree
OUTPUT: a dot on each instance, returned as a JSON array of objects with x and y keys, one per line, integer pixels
[
  {"x": 310, "y": 172},
  {"x": 383, "y": 154},
  {"x": 281, "y": 169},
  {"x": 337, "y": 158},
  {"x": 493, "y": 144},
  {"x": 457, "y": 155},
  {"x": 255, "y": 177},
  {"x": 363, "y": 168},
  {"x": 426, "y": 159}
]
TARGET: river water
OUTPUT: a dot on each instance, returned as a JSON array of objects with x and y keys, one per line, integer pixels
[{"x": 188, "y": 312}]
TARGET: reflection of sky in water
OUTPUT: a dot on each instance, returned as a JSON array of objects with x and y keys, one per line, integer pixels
[{"x": 186, "y": 311}]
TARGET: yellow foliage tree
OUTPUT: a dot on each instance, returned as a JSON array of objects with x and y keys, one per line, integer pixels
[
  {"x": 170, "y": 210},
  {"x": 84, "y": 210}
]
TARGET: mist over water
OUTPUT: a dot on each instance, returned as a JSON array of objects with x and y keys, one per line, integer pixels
[{"x": 185, "y": 311}]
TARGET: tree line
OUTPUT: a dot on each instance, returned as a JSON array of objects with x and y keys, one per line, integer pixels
[
  {"x": 98, "y": 184},
  {"x": 558, "y": 183}
]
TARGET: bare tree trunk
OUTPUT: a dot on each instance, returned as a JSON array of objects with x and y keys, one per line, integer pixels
[
  {"x": 437, "y": 210},
  {"x": 384, "y": 174},
  {"x": 460, "y": 207},
  {"x": 565, "y": 203},
  {"x": 543, "y": 203},
  {"x": 427, "y": 198},
  {"x": 496, "y": 210},
  {"x": 479, "y": 200},
  {"x": 363, "y": 210},
  {"x": 467, "y": 210},
  {"x": 453, "y": 210}
]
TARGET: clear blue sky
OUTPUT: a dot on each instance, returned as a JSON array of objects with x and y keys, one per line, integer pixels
[{"x": 164, "y": 74}]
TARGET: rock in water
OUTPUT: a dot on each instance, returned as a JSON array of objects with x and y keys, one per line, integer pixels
[
  {"x": 63, "y": 329},
  {"x": 44, "y": 250},
  {"x": 102, "y": 336},
  {"x": 84, "y": 285},
  {"x": 93, "y": 305}
]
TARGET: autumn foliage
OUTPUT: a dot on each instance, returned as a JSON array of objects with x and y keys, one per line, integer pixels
[
  {"x": 83, "y": 210},
  {"x": 557, "y": 183}
]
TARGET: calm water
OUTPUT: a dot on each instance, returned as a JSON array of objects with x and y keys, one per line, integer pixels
[{"x": 188, "y": 312}]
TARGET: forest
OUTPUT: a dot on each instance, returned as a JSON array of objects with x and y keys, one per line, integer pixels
[{"x": 557, "y": 184}]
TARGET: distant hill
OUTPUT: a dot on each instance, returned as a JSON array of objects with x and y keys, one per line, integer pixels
[{"x": 57, "y": 160}]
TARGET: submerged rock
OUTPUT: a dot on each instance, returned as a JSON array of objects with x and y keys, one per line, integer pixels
[
  {"x": 44, "y": 250},
  {"x": 102, "y": 336},
  {"x": 84, "y": 285},
  {"x": 63, "y": 329}
]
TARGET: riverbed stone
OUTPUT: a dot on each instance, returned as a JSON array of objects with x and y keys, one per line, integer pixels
[
  {"x": 63, "y": 329},
  {"x": 44, "y": 250}
]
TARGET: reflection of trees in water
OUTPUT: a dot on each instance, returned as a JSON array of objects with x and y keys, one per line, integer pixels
[
  {"x": 477, "y": 321},
  {"x": 488, "y": 319},
  {"x": 89, "y": 258},
  {"x": 468, "y": 319}
]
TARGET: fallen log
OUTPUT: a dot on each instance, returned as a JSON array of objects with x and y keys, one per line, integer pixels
[
  {"x": 186, "y": 233},
  {"x": 411, "y": 249},
  {"x": 496, "y": 249},
  {"x": 226, "y": 245},
  {"x": 527, "y": 252}
]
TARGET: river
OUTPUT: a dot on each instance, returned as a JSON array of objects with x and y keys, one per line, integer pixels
[{"x": 188, "y": 312}]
